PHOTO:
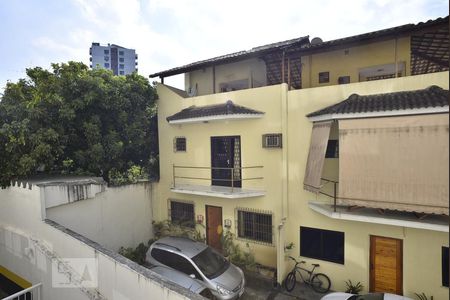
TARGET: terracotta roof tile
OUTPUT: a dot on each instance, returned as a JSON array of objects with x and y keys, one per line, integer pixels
[
  {"x": 432, "y": 96},
  {"x": 228, "y": 108}
]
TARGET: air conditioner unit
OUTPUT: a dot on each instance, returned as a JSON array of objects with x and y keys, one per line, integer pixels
[{"x": 272, "y": 140}]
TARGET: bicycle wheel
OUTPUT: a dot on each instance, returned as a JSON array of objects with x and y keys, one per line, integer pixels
[
  {"x": 320, "y": 283},
  {"x": 290, "y": 281}
]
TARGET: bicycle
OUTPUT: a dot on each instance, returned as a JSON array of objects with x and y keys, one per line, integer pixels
[{"x": 319, "y": 282}]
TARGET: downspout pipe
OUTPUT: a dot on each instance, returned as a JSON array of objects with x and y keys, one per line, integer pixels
[{"x": 284, "y": 184}]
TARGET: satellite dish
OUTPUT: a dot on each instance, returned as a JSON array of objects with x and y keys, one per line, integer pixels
[{"x": 316, "y": 40}]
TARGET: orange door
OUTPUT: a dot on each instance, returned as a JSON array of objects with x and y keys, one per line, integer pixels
[
  {"x": 386, "y": 264},
  {"x": 214, "y": 226}
]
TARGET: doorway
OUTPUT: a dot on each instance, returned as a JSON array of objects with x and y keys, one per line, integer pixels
[
  {"x": 214, "y": 227},
  {"x": 386, "y": 265},
  {"x": 226, "y": 155}
]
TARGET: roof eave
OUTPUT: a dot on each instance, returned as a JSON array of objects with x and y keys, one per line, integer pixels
[
  {"x": 219, "y": 61},
  {"x": 375, "y": 114},
  {"x": 215, "y": 118}
]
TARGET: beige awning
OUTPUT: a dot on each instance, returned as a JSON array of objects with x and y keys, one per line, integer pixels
[
  {"x": 398, "y": 163},
  {"x": 316, "y": 156}
]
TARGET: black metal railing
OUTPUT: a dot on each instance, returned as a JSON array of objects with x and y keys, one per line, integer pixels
[
  {"x": 335, "y": 187},
  {"x": 231, "y": 182}
]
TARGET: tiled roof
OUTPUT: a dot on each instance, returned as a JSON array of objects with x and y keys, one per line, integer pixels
[
  {"x": 432, "y": 96},
  {"x": 228, "y": 108},
  {"x": 407, "y": 28},
  {"x": 254, "y": 52},
  {"x": 302, "y": 44}
]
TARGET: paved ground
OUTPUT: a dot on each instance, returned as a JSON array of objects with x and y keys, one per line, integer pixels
[
  {"x": 260, "y": 289},
  {"x": 301, "y": 292}
]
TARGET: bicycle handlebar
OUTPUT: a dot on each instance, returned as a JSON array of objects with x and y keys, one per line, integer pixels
[{"x": 297, "y": 262}]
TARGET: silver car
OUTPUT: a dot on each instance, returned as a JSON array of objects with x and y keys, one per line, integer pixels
[
  {"x": 202, "y": 263},
  {"x": 182, "y": 279}
]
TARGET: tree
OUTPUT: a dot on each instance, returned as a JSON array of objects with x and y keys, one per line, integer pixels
[{"x": 73, "y": 120}]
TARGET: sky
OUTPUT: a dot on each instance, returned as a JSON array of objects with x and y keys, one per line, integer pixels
[{"x": 171, "y": 33}]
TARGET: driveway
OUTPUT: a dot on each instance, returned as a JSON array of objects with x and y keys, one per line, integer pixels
[{"x": 260, "y": 289}]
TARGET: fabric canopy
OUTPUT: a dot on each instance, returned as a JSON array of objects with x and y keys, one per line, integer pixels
[
  {"x": 398, "y": 163},
  {"x": 316, "y": 156}
]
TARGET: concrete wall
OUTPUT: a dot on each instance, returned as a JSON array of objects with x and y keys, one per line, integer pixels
[
  {"x": 342, "y": 62},
  {"x": 421, "y": 257},
  {"x": 198, "y": 153},
  {"x": 36, "y": 250},
  {"x": 253, "y": 70},
  {"x": 348, "y": 62},
  {"x": 119, "y": 216}
]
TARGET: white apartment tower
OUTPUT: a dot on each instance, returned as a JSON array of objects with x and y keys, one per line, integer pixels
[{"x": 120, "y": 60}]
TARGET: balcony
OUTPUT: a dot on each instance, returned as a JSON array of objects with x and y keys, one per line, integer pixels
[
  {"x": 230, "y": 183},
  {"x": 330, "y": 205}
]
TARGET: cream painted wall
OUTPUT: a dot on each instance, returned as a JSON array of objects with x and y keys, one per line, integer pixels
[
  {"x": 300, "y": 103},
  {"x": 254, "y": 70},
  {"x": 417, "y": 260},
  {"x": 20, "y": 216},
  {"x": 120, "y": 216},
  {"x": 198, "y": 153},
  {"x": 338, "y": 63}
]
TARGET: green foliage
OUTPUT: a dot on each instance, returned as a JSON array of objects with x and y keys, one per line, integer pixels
[
  {"x": 167, "y": 228},
  {"x": 138, "y": 254},
  {"x": 289, "y": 246},
  {"x": 73, "y": 120},
  {"x": 423, "y": 296},
  {"x": 353, "y": 288},
  {"x": 232, "y": 250}
]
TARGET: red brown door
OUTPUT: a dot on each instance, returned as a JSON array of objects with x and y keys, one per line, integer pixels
[
  {"x": 386, "y": 265},
  {"x": 214, "y": 226}
]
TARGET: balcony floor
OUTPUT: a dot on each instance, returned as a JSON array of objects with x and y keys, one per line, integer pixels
[
  {"x": 370, "y": 215},
  {"x": 217, "y": 191}
]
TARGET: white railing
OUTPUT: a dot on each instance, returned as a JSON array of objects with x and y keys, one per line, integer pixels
[{"x": 35, "y": 292}]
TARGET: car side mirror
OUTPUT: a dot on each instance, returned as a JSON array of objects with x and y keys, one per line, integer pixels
[{"x": 192, "y": 276}]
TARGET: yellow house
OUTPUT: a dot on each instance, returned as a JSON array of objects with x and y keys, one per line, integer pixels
[{"x": 338, "y": 147}]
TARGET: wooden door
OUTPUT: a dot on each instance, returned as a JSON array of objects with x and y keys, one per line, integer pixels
[
  {"x": 214, "y": 226},
  {"x": 386, "y": 265},
  {"x": 225, "y": 155}
]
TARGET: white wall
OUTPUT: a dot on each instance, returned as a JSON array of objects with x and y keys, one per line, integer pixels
[
  {"x": 22, "y": 232},
  {"x": 120, "y": 216}
]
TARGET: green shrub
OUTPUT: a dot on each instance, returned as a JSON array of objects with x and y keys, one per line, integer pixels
[
  {"x": 243, "y": 258},
  {"x": 353, "y": 288},
  {"x": 423, "y": 296},
  {"x": 137, "y": 254}
]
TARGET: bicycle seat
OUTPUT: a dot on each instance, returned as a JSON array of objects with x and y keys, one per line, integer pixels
[{"x": 315, "y": 265}]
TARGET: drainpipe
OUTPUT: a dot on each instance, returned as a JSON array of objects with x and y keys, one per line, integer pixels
[
  {"x": 284, "y": 183},
  {"x": 396, "y": 57}
]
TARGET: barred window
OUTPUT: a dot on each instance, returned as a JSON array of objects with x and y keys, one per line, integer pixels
[
  {"x": 255, "y": 226},
  {"x": 182, "y": 213},
  {"x": 179, "y": 144},
  {"x": 324, "y": 77}
]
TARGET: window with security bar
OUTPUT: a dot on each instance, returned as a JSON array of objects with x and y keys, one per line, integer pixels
[
  {"x": 179, "y": 144},
  {"x": 255, "y": 226},
  {"x": 182, "y": 213}
]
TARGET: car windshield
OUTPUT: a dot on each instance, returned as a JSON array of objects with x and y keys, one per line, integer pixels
[{"x": 211, "y": 263}]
